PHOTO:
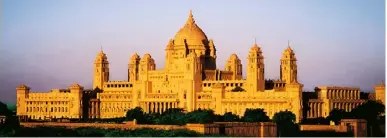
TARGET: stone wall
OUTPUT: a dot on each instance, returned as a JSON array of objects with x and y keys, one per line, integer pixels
[
  {"x": 358, "y": 127},
  {"x": 261, "y": 129},
  {"x": 323, "y": 128}
]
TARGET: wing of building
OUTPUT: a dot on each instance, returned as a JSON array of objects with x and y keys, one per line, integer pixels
[{"x": 190, "y": 80}]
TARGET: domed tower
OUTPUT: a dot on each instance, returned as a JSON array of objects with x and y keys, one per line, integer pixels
[
  {"x": 288, "y": 72},
  {"x": 234, "y": 64},
  {"x": 190, "y": 38},
  {"x": 101, "y": 70},
  {"x": 133, "y": 67},
  {"x": 255, "y": 70}
]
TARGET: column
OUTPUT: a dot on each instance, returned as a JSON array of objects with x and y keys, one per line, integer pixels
[
  {"x": 311, "y": 110},
  {"x": 350, "y": 107},
  {"x": 318, "y": 110},
  {"x": 98, "y": 106},
  {"x": 163, "y": 104},
  {"x": 147, "y": 107},
  {"x": 352, "y": 94},
  {"x": 158, "y": 107},
  {"x": 315, "y": 110},
  {"x": 155, "y": 107},
  {"x": 92, "y": 109},
  {"x": 328, "y": 94},
  {"x": 151, "y": 107}
]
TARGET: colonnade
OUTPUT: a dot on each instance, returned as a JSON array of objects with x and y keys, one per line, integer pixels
[
  {"x": 93, "y": 110},
  {"x": 158, "y": 107},
  {"x": 343, "y": 94},
  {"x": 316, "y": 108},
  {"x": 345, "y": 106}
]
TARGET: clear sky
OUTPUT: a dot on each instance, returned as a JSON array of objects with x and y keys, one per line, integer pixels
[{"x": 49, "y": 44}]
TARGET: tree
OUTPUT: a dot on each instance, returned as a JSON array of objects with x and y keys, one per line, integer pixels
[
  {"x": 136, "y": 113},
  {"x": 201, "y": 116},
  {"x": 284, "y": 117},
  {"x": 255, "y": 115},
  {"x": 285, "y": 123},
  {"x": 370, "y": 111},
  {"x": 173, "y": 116},
  {"x": 230, "y": 117},
  {"x": 336, "y": 115},
  {"x": 11, "y": 123}
]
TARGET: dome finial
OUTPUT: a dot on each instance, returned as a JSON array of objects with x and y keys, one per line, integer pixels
[
  {"x": 255, "y": 42},
  {"x": 289, "y": 44},
  {"x": 190, "y": 18}
]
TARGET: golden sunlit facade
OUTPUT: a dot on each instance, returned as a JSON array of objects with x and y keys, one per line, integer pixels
[{"x": 190, "y": 80}]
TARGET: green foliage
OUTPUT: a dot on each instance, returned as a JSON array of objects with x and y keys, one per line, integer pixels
[
  {"x": 11, "y": 123},
  {"x": 230, "y": 117},
  {"x": 90, "y": 132},
  {"x": 136, "y": 113},
  {"x": 11, "y": 107},
  {"x": 337, "y": 114},
  {"x": 285, "y": 123},
  {"x": 283, "y": 117},
  {"x": 255, "y": 115},
  {"x": 369, "y": 111},
  {"x": 174, "y": 116},
  {"x": 201, "y": 116}
]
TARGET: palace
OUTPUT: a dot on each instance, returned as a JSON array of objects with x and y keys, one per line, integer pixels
[{"x": 190, "y": 80}]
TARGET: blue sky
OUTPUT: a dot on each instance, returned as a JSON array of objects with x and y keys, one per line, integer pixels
[{"x": 53, "y": 43}]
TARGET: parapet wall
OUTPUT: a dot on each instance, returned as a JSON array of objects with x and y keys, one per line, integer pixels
[
  {"x": 323, "y": 128},
  {"x": 261, "y": 129}
]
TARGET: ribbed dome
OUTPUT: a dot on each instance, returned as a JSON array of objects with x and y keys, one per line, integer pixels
[
  {"x": 191, "y": 32},
  {"x": 233, "y": 57}
]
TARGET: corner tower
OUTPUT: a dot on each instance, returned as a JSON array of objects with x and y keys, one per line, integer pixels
[
  {"x": 101, "y": 70},
  {"x": 133, "y": 68},
  {"x": 234, "y": 64},
  {"x": 255, "y": 70},
  {"x": 288, "y": 72}
]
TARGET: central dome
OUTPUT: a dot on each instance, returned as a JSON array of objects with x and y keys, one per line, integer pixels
[{"x": 191, "y": 33}]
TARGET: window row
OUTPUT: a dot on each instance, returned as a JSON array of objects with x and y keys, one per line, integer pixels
[
  {"x": 46, "y": 102},
  {"x": 117, "y": 97},
  {"x": 119, "y": 85},
  {"x": 41, "y": 109},
  {"x": 227, "y": 84}
]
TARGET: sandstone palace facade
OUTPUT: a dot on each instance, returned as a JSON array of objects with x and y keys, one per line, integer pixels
[{"x": 190, "y": 80}]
